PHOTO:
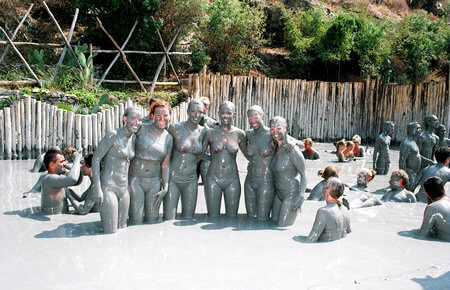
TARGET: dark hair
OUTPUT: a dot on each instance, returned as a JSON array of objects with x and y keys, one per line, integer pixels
[
  {"x": 434, "y": 187},
  {"x": 441, "y": 154},
  {"x": 403, "y": 175},
  {"x": 329, "y": 171},
  {"x": 88, "y": 160},
  {"x": 341, "y": 142},
  {"x": 50, "y": 156}
]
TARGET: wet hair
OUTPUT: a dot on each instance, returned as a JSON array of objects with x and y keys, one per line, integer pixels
[
  {"x": 441, "y": 128},
  {"x": 256, "y": 108},
  {"x": 150, "y": 102},
  {"x": 50, "y": 156},
  {"x": 308, "y": 140},
  {"x": 403, "y": 175},
  {"x": 227, "y": 103},
  {"x": 388, "y": 123},
  {"x": 329, "y": 171},
  {"x": 336, "y": 188},
  {"x": 441, "y": 154},
  {"x": 427, "y": 120},
  {"x": 411, "y": 126},
  {"x": 206, "y": 102},
  {"x": 157, "y": 104},
  {"x": 68, "y": 153},
  {"x": 278, "y": 119},
  {"x": 434, "y": 187},
  {"x": 356, "y": 138},
  {"x": 88, "y": 160},
  {"x": 129, "y": 110},
  {"x": 341, "y": 142},
  {"x": 349, "y": 144},
  {"x": 370, "y": 173},
  {"x": 196, "y": 102}
]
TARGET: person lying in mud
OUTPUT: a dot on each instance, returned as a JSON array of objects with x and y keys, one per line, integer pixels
[
  {"x": 55, "y": 183},
  {"x": 332, "y": 221},
  {"x": 441, "y": 170},
  {"x": 358, "y": 196},
  {"x": 436, "y": 219},
  {"x": 358, "y": 151},
  {"x": 87, "y": 196},
  {"x": 309, "y": 152},
  {"x": 318, "y": 192},
  {"x": 397, "y": 192}
]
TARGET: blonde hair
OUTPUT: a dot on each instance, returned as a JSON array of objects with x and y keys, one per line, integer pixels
[
  {"x": 205, "y": 101},
  {"x": 309, "y": 140},
  {"x": 356, "y": 138}
]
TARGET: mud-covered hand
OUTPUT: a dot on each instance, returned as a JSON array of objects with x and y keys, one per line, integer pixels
[{"x": 159, "y": 198}]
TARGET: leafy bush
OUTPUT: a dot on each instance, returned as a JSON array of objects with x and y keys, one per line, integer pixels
[
  {"x": 420, "y": 41},
  {"x": 230, "y": 35}
]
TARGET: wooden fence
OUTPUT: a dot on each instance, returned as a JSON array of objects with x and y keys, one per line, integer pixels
[{"x": 326, "y": 111}]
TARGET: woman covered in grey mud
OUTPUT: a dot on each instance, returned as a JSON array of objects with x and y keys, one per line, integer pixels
[
  {"x": 222, "y": 177},
  {"x": 358, "y": 196},
  {"x": 259, "y": 188},
  {"x": 110, "y": 186},
  {"x": 318, "y": 192},
  {"x": 332, "y": 221},
  {"x": 150, "y": 169},
  {"x": 188, "y": 143},
  {"x": 288, "y": 166}
]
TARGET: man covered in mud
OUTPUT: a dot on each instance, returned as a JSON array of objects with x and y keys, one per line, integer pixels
[
  {"x": 54, "y": 184},
  {"x": 381, "y": 161},
  {"x": 427, "y": 141},
  {"x": 436, "y": 219},
  {"x": 397, "y": 192}
]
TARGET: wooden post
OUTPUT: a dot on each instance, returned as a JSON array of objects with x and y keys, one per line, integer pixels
[
  {"x": 15, "y": 32},
  {"x": 13, "y": 134},
  {"x": 69, "y": 47},
  {"x": 18, "y": 130},
  {"x": 48, "y": 138},
  {"x": 99, "y": 127},
  {"x": 124, "y": 57},
  {"x": 59, "y": 130},
  {"x": 33, "y": 128},
  {"x": 89, "y": 129},
  {"x": 116, "y": 117},
  {"x": 121, "y": 112},
  {"x": 69, "y": 38},
  {"x": 8, "y": 136},
  {"x": 77, "y": 131},
  {"x": 84, "y": 133},
  {"x": 54, "y": 121},
  {"x": 103, "y": 123},
  {"x": 28, "y": 127},
  {"x": 38, "y": 128},
  {"x": 94, "y": 126},
  {"x": 70, "y": 117},
  {"x": 2, "y": 135},
  {"x": 117, "y": 55},
  {"x": 65, "y": 114}
]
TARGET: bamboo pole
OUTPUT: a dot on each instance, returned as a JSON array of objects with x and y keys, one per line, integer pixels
[
  {"x": 38, "y": 128},
  {"x": 89, "y": 132},
  {"x": 59, "y": 129},
  {"x": 78, "y": 132},
  {"x": 65, "y": 135},
  {"x": 48, "y": 139},
  {"x": 8, "y": 133},
  {"x": 94, "y": 129},
  {"x": 2, "y": 135},
  {"x": 84, "y": 133},
  {"x": 116, "y": 117},
  {"x": 15, "y": 32},
  {"x": 18, "y": 130},
  {"x": 33, "y": 44},
  {"x": 43, "y": 127},
  {"x": 27, "y": 127},
  {"x": 13, "y": 134},
  {"x": 55, "y": 127},
  {"x": 99, "y": 127},
  {"x": 33, "y": 127}
]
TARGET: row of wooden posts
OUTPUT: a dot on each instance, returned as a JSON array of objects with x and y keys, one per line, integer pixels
[
  {"x": 326, "y": 111},
  {"x": 31, "y": 127}
]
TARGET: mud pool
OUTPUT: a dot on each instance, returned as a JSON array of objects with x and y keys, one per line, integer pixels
[{"x": 68, "y": 252}]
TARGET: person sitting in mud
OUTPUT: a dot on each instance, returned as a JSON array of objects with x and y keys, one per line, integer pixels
[
  {"x": 87, "y": 196},
  {"x": 358, "y": 151},
  {"x": 441, "y": 133},
  {"x": 40, "y": 167},
  {"x": 309, "y": 152},
  {"x": 440, "y": 170},
  {"x": 348, "y": 152},
  {"x": 55, "y": 182},
  {"x": 397, "y": 192},
  {"x": 358, "y": 196},
  {"x": 436, "y": 219},
  {"x": 318, "y": 192},
  {"x": 332, "y": 221},
  {"x": 340, "y": 148}
]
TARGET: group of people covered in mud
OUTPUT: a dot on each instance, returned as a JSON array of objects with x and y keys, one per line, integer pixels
[{"x": 144, "y": 164}]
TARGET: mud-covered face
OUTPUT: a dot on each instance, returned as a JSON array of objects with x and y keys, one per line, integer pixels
[
  {"x": 416, "y": 130},
  {"x": 161, "y": 117},
  {"x": 195, "y": 113},
  {"x": 308, "y": 145},
  {"x": 59, "y": 166},
  {"x": 86, "y": 171},
  {"x": 395, "y": 182},
  {"x": 433, "y": 122},
  {"x": 361, "y": 178},
  {"x": 389, "y": 128},
  {"x": 226, "y": 114},
  {"x": 133, "y": 121},
  {"x": 255, "y": 119},
  {"x": 277, "y": 130},
  {"x": 441, "y": 131}
]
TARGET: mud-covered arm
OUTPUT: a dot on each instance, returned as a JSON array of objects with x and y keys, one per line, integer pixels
[
  {"x": 243, "y": 144},
  {"x": 165, "y": 173},
  {"x": 387, "y": 195},
  {"x": 375, "y": 153},
  {"x": 69, "y": 179},
  {"x": 102, "y": 149},
  {"x": 348, "y": 227},
  {"x": 298, "y": 160},
  {"x": 205, "y": 145},
  {"x": 404, "y": 153},
  {"x": 85, "y": 208},
  {"x": 317, "y": 191},
  {"x": 318, "y": 227},
  {"x": 429, "y": 219}
]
